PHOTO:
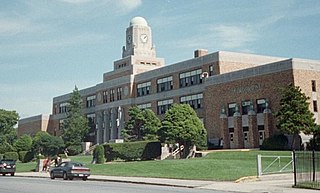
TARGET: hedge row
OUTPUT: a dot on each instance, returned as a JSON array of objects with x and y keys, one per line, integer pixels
[
  {"x": 25, "y": 156},
  {"x": 129, "y": 151},
  {"x": 275, "y": 142}
]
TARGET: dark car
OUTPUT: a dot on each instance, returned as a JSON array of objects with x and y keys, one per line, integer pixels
[
  {"x": 7, "y": 167},
  {"x": 70, "y": 170}
]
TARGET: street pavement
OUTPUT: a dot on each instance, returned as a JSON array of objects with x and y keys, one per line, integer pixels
[{"x": 276, "y": 183}]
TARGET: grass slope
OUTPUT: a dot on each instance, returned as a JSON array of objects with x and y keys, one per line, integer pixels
[{"x": 220, "y": 165}]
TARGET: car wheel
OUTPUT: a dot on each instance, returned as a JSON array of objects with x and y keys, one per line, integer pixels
[
  {"x": 65, "y": 176},
  {"x": 84, "y": 178},
  {"x": 52, "y": 175},
  {"x": 12, "y": 174},
  {"x": 70, "y": 178},
  {"x": 3, "y": 174}
]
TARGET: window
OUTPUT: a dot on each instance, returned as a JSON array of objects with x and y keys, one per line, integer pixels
[
  {"x": 163, "y": 106},
  {"x": 63, "y": 107},
  {"x": 245, "y": 107},
  {"x": 119, "y": 93},
  {"x": 61, "y": 122},
  {"x": 211, "y": 70},
  {"x": 195, "y": 101},
  {"x": 144, "y": 106},
  {"x": 231, "y": 109},
  {"x": 111, "y": 95},
  {"x": 190, "y": 78},
  {"x": 313, "y": 82},
  {"x": 245, "y": 136},
  {"x": 164, "y": 84},
  {"x": 261, "y": 105},
  {"x": 231, "y": 133},
  {"x": 91, "y": 101},
  {"x": 143, "y": 89},
  {"x": 91, "y": 122},
  {"x": 91, "y": 118},
  {"x": 315, "y": 106},
  {"x": 105, "y": 96}
]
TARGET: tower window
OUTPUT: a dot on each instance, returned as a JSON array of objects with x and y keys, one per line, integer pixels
[
  {"x": 313, "y": 82},
  {"x": 315, "y": 106}
]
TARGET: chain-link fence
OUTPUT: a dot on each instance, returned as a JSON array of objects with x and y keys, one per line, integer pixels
[{"x": 307, "y": 169}]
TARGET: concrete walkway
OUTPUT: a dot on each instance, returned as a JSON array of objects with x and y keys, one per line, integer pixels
[{"x": 279, "y": 183}]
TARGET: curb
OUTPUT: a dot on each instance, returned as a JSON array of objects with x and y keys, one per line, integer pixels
[
  {"x": 118, "y": 181},
  {"x": 247, "y": 179}
]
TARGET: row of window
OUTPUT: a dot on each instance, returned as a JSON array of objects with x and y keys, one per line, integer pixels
[
  {"x": 195, "y": 101},
  {"x": 246, "y": 106},
  {"x": 164, "y": 84}
]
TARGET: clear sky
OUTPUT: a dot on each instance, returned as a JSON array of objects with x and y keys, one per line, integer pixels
[{"x": 49, "y": 46}]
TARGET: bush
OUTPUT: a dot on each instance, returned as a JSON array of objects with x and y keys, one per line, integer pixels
[
  {"x": 141, "y": 150},
  {"x": 11, "y": 155},
  {"x": 275, "y": 142},
  {"x": 74, "y": 149},
  {"x": 25, "y": 156},
  {"x": 98, "y": 154}
]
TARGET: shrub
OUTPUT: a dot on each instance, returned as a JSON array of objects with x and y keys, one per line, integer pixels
[
  {"x": 11, "y": 155},
  {"x": 98, "y": 154},
  {"x": 275, "y": 142},
  {"x": 141, "y": 150},
  {"x": 25, "y": 156},
  {"x": 74, "y": 149}
]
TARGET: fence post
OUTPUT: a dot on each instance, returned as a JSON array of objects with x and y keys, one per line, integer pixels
[
  {"x": 294, "y": 168},
  {"x": 259, "y": 166},
  {"x": 313, "y": 166}
]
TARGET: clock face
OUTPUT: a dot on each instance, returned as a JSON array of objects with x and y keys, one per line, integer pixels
[
  {"x": 129, "y": 39},
  {"x": 144, "y": 38}
]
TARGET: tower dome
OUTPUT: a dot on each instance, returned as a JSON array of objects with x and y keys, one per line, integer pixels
[{"x": 138, "y": 21}]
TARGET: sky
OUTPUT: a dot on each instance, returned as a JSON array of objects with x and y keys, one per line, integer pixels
[{"x": 49, "y": 46}]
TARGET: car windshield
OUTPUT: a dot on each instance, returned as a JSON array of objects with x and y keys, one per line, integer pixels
[
  {"x": 77, "y": 164},
  {"x": 8, "y": 161}
]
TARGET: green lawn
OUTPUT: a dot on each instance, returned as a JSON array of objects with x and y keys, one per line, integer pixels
[{"x": 220, "y": 165}]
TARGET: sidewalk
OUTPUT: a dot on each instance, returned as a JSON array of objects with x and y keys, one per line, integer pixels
[{"x": 279, "y": 183}]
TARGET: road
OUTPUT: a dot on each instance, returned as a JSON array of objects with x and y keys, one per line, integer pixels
[{"x": 10, "y": 184}]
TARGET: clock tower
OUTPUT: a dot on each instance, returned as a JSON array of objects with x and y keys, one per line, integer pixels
[{"x": 138, "y": 39}]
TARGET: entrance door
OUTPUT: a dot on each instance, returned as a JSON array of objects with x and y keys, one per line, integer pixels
[{"x": 261, "y": 137}]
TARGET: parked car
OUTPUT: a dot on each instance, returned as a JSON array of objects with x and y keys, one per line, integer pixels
[
  {"x": 7, "y": 167},
  {"x": 70, "y": 170}
]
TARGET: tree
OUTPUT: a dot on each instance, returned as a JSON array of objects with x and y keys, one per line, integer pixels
[
  {"x": 182, "y": 125},
  {"x": 8, "y": 119},
  {"x": 294, "y": 115},
  {"x": 98, "y": 154},
  {"x": 24, "y": 143},
  {"x": 47, "y": 144},
  {"x": 75, "y": 127},
  {"x": 143, "y": 125}
]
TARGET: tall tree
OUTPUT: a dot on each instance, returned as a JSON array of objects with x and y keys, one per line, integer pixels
[
  {"x": 294, "y": 115},
  {"x": 23, "y": 143},
  {"x": 47, "y": 144},
  {"x": 143, "y": 125},
  {"x": 75, "y": 126},
  {"x": 182, "y": 125},
  {"x": 8, "y": 119}
]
